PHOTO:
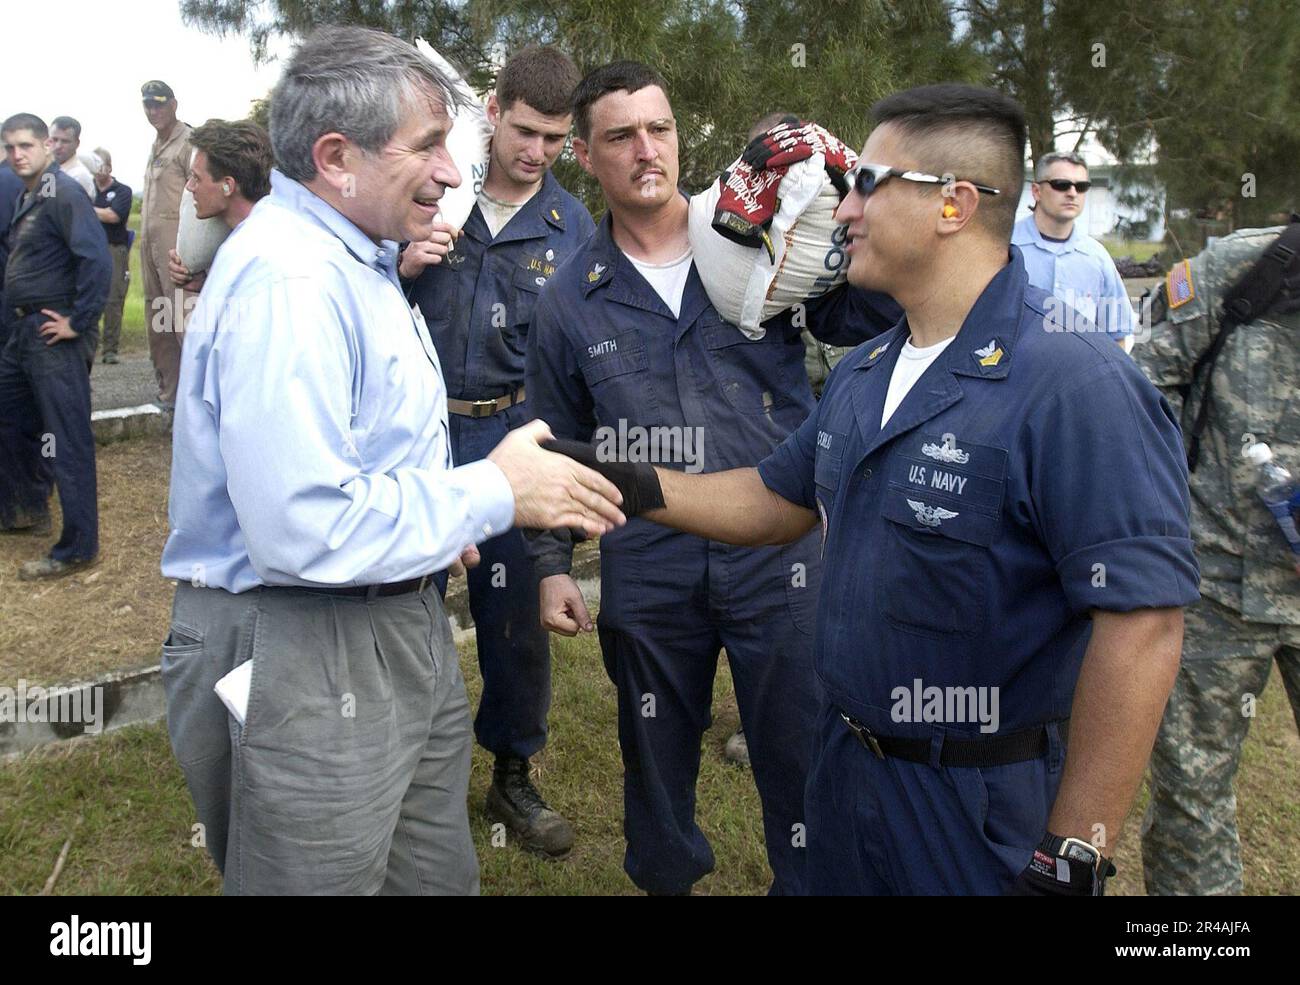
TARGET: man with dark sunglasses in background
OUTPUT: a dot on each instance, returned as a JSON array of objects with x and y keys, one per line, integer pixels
[{"x": 1065, "y": 261}]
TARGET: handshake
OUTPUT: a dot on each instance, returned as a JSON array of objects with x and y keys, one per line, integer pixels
[{"x": 563, "y": 484}]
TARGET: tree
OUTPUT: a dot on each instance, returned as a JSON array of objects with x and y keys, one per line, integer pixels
[
  {"x": 726, "y": 63},
  {"x": 1207, "y": 89}
]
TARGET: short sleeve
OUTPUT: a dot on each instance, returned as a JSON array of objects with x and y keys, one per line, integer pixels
[
  {"x": 789, "y": 470},
  {"x": 1109, "y": 492}
]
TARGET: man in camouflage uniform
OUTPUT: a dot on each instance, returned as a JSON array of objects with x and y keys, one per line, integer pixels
[{"x": 1249, "y": 613}]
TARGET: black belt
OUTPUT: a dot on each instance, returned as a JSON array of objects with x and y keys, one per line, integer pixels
[
  {"x": 994, "y": 750},
  {"x": 23, "y": 310},
  {"x": 374, "y": 591}
]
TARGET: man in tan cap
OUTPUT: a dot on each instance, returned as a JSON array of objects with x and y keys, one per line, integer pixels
[{"x": 164, "y": 180}]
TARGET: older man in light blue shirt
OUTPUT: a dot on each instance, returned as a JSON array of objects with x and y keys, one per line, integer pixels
[
  {"x": 1063, "y": 260},
  {"x": 314, "y": 495}
]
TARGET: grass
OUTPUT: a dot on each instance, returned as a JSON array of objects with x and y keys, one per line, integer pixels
[
  {"x": 133, "y": 335},
  {"x": 134, "y": 835},
  {"x": 1139, "y": 250},
  {"x": 123, "y": 801}
]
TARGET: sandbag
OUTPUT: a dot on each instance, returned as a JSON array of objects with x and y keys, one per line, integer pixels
[
  {"x": 197, "y": 239},
  {"x": 745, "y": 286},
  {"x": 467, "y": 143}
]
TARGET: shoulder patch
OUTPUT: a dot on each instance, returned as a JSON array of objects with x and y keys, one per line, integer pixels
[{"x": 1178, "y": 284}]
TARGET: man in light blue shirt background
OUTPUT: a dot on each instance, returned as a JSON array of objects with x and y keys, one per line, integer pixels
[
  {"x": 1063, "y": 260},
  {"x": 313, "y": 496}
]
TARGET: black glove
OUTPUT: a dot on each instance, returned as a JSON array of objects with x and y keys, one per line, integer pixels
[
  {"x": 1051, "y": 875},
  {"x": 635, "y": 480}
]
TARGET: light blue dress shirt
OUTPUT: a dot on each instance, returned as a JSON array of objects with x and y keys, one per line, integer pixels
[
  {"x": 1079, "y": 272},
  {"x": 310, "y": 443}
]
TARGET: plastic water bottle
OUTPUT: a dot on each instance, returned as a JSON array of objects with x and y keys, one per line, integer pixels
[{"x": 1279, "y": 491}]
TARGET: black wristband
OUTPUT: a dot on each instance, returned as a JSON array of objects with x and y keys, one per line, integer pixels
[{"x": 637, "y": 481}]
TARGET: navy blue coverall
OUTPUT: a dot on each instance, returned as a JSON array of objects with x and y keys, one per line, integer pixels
[
  {"x": 11, "y": 189},
  {"x": 58, "y": 259},
  {"x": 1028, "y": 478},
  {"x": 604, "y": 351},
  {"x": 477, "y": 304}
]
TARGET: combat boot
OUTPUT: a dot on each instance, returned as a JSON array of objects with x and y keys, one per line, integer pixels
[
  {"x": 737, "y": 749},
  {"x": 48, "y": 567},
  {"x": 514, "y": 800}
]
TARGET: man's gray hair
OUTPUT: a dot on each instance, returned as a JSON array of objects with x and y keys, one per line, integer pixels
[
  {"x": 350, "y": 80},
  {"x": 1047, "y": 160}
]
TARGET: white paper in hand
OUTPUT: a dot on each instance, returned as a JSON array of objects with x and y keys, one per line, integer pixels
[{"x": 233, "y": 690}]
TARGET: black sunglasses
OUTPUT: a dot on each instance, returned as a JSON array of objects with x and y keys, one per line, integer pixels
[
  {"x": 1062, "y": 185},
  {"x": 868, "y": 177}
]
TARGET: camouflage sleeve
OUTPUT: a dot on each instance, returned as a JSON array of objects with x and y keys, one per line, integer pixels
[{"x": 1177, "y": 326}]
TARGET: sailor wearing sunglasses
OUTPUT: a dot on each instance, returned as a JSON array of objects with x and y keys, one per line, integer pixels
[{"x": 1066, "y": 262}]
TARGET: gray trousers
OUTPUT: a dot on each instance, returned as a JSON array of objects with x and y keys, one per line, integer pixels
[{"x": 351, "y": 771}]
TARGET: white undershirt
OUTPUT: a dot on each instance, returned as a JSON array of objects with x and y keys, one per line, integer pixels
[
  {"x": 497, "y": 213},
  {"x": 912, "y": 363},
  {"x": 668, "y": 279}
]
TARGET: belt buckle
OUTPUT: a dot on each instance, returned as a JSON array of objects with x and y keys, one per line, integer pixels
[
  {"x": 482, "y": 408},
  {"x": 864, "y": 735}
]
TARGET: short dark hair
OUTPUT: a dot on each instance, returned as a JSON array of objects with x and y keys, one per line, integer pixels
[
  {"x": 241, "y": 149},
  {"x": 66, "y": 123},
  {"x": 26, "y": 121},
  {"x": 975, "y": 133},
  {"x": 614, "y": 77},
  {"x": 542, "y": 76},
  {"x": 1053, "y": 157}
]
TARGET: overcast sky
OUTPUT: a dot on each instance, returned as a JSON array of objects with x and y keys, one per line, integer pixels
[{"x": 85, "y": 68}]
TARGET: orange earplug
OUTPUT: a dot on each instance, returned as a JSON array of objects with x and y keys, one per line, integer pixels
[{"x": 949, "y": 211}]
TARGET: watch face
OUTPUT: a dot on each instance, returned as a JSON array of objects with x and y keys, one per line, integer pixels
[{"x": 1081, "y": 852}]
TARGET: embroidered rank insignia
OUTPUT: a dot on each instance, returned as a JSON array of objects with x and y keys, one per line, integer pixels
[
  {"x": 1178, "y": 284},
  {"x": 877, "y": 351},
  {"x": 989, "y": 355},
  {"x": 596, "y": 271}
]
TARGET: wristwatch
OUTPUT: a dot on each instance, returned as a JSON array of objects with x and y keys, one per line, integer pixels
[{"x": 1078, "y": 850}]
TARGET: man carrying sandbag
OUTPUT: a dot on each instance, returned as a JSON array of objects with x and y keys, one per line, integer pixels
[
  {"x": 626, "y": 348},
  {"x": 230, "y": 173}
]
